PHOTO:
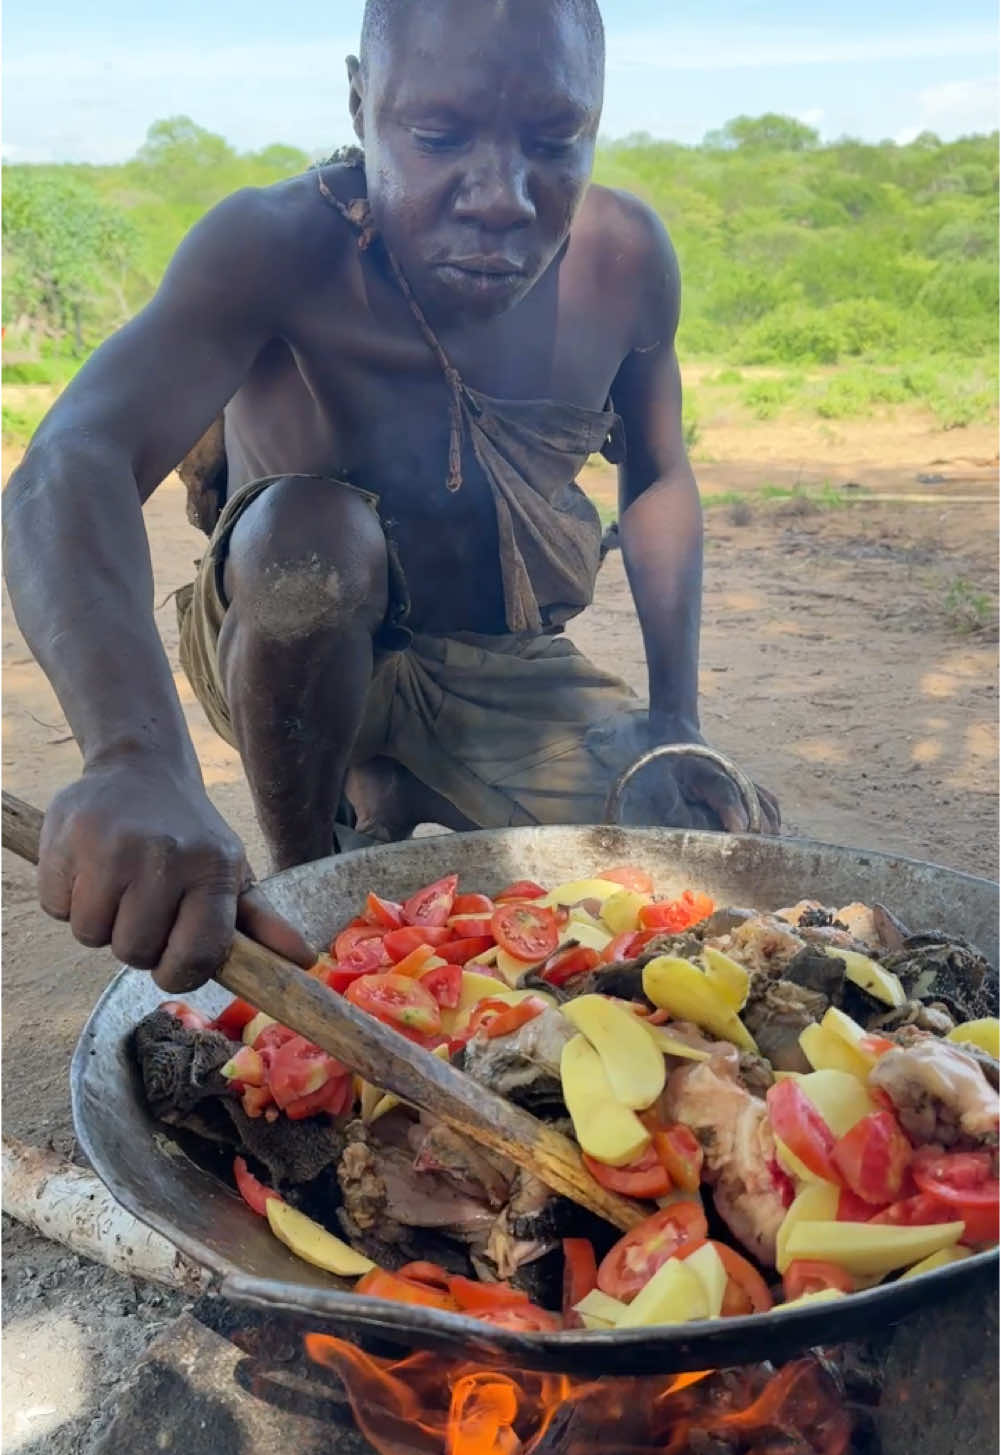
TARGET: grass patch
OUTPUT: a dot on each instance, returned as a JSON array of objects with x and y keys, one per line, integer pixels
[
  {"x": 20, "y": 424},
  {"x": 967, "y": 610},
  {"x": 765, "y": 398}
]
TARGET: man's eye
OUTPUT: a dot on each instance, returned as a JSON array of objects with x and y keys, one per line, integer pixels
[
  {"x": 436, "y": 141},
  {"x": 553, "y": 146}
]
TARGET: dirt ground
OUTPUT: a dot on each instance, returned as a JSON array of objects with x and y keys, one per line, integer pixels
[{"x": 849, "y": 662}]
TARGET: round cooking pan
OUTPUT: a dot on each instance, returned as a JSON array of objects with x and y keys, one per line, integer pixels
[{"x": 149, "y": 1174}]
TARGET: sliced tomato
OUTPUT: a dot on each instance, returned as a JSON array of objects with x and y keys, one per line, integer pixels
[
  {"x": 680, "y": 1153},
  {"x": 335, "y": 1097},
  {"x": 966, "y": 1183},
  {"x": 520, "y": 889},
  {"x": 630, "y": 876},
  {"x": 465, "y": 904},
  {"x": 797, "y": 1122},
  {"x": 386, "y": 914},
  {"x": 191, "y": 1019},
  {"x": 634, "y": 1259},
  {"x": 270, "y": 1039},
  {"x": 445, "y": 984},
  {"x": 246, "y": 1068},
  {"x": 854, "y": 1209},
  {"x": 298, "y": 1069},
  {"x": 675, "y": 915},
  {"x": 644, "y": 1176},
  {"x": 812, "y": 1275},
  {"x": 526, "y": 931},
  {"x": 401, "y": 943},
  {"x": 474, "y": 1297},
  {"x": 416, "y": 962},
  {"x": 460, "y": 952},
  {"x": 255, "y": 1100},
  {"x": 524, "y": 1318},
  {"x": 580, "y": 1274},
  {"x": 566, "y": 963},
  {"x": 424, "y": 1272},
  {"x": 397, "y": 1001},
  {"x": 620, "y": 947},
  {"x": 349, "y": 939},
  {"x": 433, "y": 904},
  {"x": 380, "y": 1284},
  {"x": 254, "y": 1193},
  {"x": 232, "y": 1020},
  {"x": 911, "y": 1212},
  {"x": 875, "y": 1045},
  {"x": 472, "y": 926},
  {"x": 872, "y": 1158},
  {"x": 367, "y": 955},
  {"x": 339, "y": 979},
  {"x": 497, "y": 1018},
  {"x": 746, "y": 1291}
]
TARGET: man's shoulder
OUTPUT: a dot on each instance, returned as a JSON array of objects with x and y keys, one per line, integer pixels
[{"x": 624, "y": 233}]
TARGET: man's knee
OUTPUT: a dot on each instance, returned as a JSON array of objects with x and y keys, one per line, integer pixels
[{"x": 308, "y": 555}]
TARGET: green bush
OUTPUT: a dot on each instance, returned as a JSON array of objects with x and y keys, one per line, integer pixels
[{"x": 765, "y": 397}]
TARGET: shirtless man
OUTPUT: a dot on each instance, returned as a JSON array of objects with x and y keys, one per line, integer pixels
[{"x": 378, "y": 613}]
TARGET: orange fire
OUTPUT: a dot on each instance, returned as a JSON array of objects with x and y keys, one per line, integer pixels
[{"x": 427, "y": 1404}]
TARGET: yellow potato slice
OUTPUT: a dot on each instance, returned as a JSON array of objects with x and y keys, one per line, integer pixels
[
  {"x": 632, "y": 1063},
  {"x": 708, "y": 1268},
  {"x": 815, "y": 1202},
  {"x": 870, "y": 976},
  {"x": 604, "y": 1128},
  {"x": 864, "y": 1248},
  {"x": 621, "y": 912},
  {"x": 840, "y": 1098},
  {"x": 683, "y": 990},
  {"x": 941, "y": 1259},
  {"x": 728, "y": 977},
  {"x": 670, "y": 1045},
  {"x": 312, "y": 1243},
  {"x": 849, "y": 1031},
  {"x": 674, "y": 1295},
  {"x": 578, "y": 889},
  {"x": 820, "y": 1295},
  {"x": 981, "y": 1033},
  {"x": 827, "y": 1051},
  {"x": 254, "y": 1027},
  {"x": 599, "y": 1311}
]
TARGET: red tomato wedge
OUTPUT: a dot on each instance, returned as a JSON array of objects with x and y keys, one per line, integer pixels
[
  {"x": 645, "y": 1176},
  {"x": 416, "y": 962},
  {"x": 521, "y": 889},
  {"x": 401, "y": 943},
  {"x": 630, "y": 876},
  {"x": 466, "y": 904},
  {"x": 680, "y": 1153},
  {"x": 366, "y": 956},
  {"x": 254, "y": 1193},
  {"x": 872, "y": 1158},
  {"x": 398, "y": 1001},
  {"x": 445, "y": 984},
  {"x": 580, "y": 1273},
  {"x": 349, "y": 939},
  {"x": 255, "y": 1100},
  {"x": 471, "y": 926},
  {"x": 335, "y": 1097},
  {"x": 497, "y": 1018},
  {"x": 675, "y": 915},
  {"x": 298, "y": 1069},
  {"x": 386, "y": 914},
  {"x": 910, "y": 1212},
  {"x": 423, "y": 1272},
  {"x": 339, "y": 979},
  {"x": 619, "y": 948},
  {"x": 525, "y": 1318},
  {"x": 966, "y": 1184},
  {"x": 797, "y": 1122},
  {"x": 232, "y": 1020},
  {"x": 812, "y": 1275},
  {"x": 746, "y": 1290},
  {"x": 433, "y": 904},
  {"x": 380, "y": 1284},
  {"x": 526, "y": 931},
  {"x": 474, "y": 1297},
  {"x": 460, "y": 952},
  {"x": 191, "y": 1019},
  {"x": 854, "y": 1209},
  {"x": 568, "y": 962},
  {"x": 634, "y": 1259}
]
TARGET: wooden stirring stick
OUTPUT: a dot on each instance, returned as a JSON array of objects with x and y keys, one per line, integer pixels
[{"x": 384, "y": 1058}]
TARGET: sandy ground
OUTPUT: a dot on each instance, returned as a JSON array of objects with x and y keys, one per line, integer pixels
[{"x": 834, "y": 669}]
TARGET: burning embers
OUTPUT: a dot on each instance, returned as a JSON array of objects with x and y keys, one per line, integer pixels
[{"x": 427, "y": 1404}]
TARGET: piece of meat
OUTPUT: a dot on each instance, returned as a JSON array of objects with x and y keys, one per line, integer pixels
[
  {"x": 940, "y": 1093},
  {"x": 523, "y": 1066},
  {"x": 813, "y": 968},
  {"x": 179, "y": 1067},
  {"x": 736, "y": 1137},
  {"x": 378, "y": 1182},
  {"x": 471, "y": 1169},
  {"x": 754, "y": 1073},
  {"x": 763, "y": 944},
  {"x": 775, "y": 1014}
]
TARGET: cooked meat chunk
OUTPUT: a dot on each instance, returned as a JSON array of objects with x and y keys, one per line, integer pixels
[
  {"x": 525, "y": 1065},
  {"x": 754, "y": 1073},
  {"x": 775, "y": 1014},
  {"x": 469, "y": 1168},
  {"x": 940, "y": 1093},
  {"x": 179, "y": 1068},
  {"x": 813, "y": 968},
  {"x": 378, "y": 1182},
  {"x": 764, "y": 944},
  {"x": 736, "y": 1137}
]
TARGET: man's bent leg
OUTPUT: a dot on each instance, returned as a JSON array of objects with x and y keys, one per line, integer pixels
[{"x": 306, "y": 583}]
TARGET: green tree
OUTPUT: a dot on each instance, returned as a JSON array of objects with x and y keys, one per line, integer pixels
[{"x": 769, "y": 133}]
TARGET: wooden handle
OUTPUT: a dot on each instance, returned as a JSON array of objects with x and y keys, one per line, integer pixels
[{"x": 385, "y": 1058}]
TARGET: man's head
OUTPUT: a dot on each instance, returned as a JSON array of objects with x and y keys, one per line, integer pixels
[{"x": 478, "y": 119}]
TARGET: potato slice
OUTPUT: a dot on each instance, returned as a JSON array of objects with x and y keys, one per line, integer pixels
[
  {"x": 312, "y": 1243},
  {"x": 981, "y": 1033},
  {"x": 840, "y": 1098},
  {"x": 864, "y": 1248},
  {"x": 870, "y": 976},
  {"x": 604, "y": 1128},
  {"x": 816, "y": 1202},
  {"x": 820, "y": 1295},
  {"x": 578, "y": 889},
  {"x": 849, "y": 1031},
  {"x": 599, "y": 1311},
  {"x": 827, "y": 1051},
  {"x": 486, "y": 957},
  {"x": 254, "y": 1027},
  {"x": 674, "y": 1295},
  {"x": 941, "y": 1259},
  {"x": 728, "y": 977},
  {"x": 621, "y": 912},
  {"x": 670, "y": 1045},
  {"x": 683, "y": 989},
  {"x": 708, "y": 1268},
  {"x": 632, "y": 1063}
]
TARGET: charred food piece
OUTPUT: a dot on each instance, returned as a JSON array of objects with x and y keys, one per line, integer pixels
[
  {"x": 179, "y": 1067},
  {"x": 523, "y": 1066},
  {"x": 776, "y": 1013},
  {"x": 948, "y": 969}
]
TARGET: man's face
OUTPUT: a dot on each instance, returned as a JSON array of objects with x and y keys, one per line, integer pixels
[{"x": 479, "y": 123}]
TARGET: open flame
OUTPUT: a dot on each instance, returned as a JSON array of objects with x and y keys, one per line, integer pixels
[{"x": 426, "y": 1404}]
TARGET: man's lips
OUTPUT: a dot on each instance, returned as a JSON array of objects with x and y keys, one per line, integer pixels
[{"x": 494, "y": 266}]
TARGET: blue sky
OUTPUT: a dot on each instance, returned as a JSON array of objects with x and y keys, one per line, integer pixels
[{"x": 82, "y": 82}]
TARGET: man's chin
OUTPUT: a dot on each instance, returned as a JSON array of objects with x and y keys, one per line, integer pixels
[{"x": 476, "y": 294}]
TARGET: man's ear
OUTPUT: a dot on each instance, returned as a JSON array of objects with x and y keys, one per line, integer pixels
[{"x": 356, "y": 85}]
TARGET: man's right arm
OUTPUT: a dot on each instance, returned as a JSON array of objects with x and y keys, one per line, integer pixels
[{"x": 133, "y": 854}]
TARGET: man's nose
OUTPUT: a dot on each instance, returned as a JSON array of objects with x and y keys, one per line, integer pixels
[{"x": 494, "y": 192}]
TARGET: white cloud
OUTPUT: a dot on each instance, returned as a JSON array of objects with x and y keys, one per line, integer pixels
[
  {"x": 954, "y": 108},
  {"x": 813, "y": 116}
]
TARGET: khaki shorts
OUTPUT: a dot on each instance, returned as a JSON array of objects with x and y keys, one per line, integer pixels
[{"x": 507, "y": 728}]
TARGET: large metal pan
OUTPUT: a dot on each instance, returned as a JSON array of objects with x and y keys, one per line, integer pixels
[{"x": 150, "y": 1175}]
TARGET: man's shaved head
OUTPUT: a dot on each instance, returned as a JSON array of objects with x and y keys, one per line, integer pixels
[{"x": 381, "y": 15}]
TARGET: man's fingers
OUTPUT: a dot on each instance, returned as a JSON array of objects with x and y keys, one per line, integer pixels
[
  {"x": 143, "y": 924},
  {"x": 93, "y": 907},
  {"x": 703, "y": 784},
  {"x": 771, "y": 813},
  {"x": 200, "y": 939},
  {"x": 256, "y": 918}
]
